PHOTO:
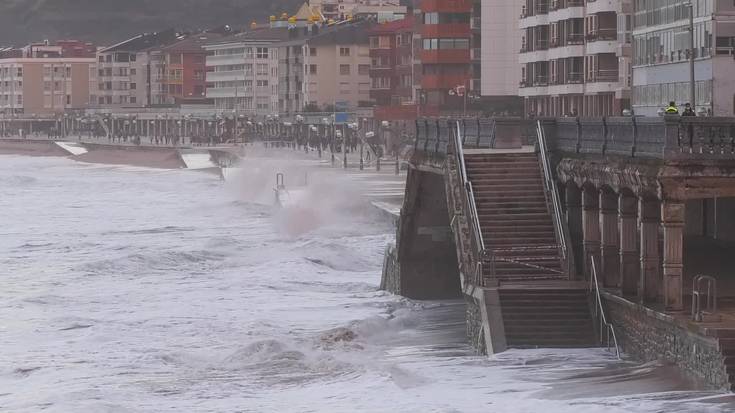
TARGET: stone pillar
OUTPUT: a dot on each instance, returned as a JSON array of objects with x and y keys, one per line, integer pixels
[
  {"x": 628, "y": 229},
  {"x": 672, "y": 217},
  {"x": 590, "y": 228},
  {"x": 650, "y": 270},
  {"x": 573, "y": 204},
  {"x": 609, "y": 240}
]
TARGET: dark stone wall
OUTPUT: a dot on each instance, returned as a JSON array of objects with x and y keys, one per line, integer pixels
[
  {"x": 427, "y": 254},
  {"x": 475, "y": 334},
  {"x": 648, "y": 336},
  {"x": 391, "y": 279}
]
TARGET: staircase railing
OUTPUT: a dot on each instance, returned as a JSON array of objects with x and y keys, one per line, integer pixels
[
  {"x": 606, "y": 329},
  {"x": 698, "y": 314},
  {"x": 552, "y": 193},
  {"x": 468, "y": 196}
]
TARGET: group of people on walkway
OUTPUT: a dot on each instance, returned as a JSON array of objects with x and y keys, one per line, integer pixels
[{"x": 672, "y": 109}]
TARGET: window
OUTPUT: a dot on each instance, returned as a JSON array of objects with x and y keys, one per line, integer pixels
[
  {"x": 381, "y": 83},
  {"x": 198, "y": 75},
  {"x": 344, "y": 88},
  {"x": 102, "y": 60},
  {"x": 312, "y": 69},
  {"x": 133, "y": 86},
  {"x": 344, "y": 51},
  {"x": 132, "y": 72},
  {"x": 261, "y": 69},
  {"x": 101, "y": 72},
  {"x": 248, "y": 69},
  {"x": 133, "y": 99},
  {"x": 449, "y": 43},
  {"x": 132, "y": 57},
  {"x": 261, "y": 84},
  {"x": 344, "y": 70},
  {"x": 312, "y": 51},
  {"x": 261, "y": 53},
  {"x": 19, "y": 72},
  {"x": 248, "y": 52},
  {"x": 363, "y": 70}
]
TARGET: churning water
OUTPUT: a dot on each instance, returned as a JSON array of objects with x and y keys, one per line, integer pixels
[{"x": 139, "y": 290}]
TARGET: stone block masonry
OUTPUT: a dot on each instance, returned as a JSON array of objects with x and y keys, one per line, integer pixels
[{"x": 649, "y": 335}]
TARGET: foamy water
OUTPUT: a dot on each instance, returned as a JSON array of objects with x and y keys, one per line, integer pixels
[{"x": 137, "y": 290}]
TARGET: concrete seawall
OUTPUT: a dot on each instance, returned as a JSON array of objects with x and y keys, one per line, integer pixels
[{"x": 120, "y": 154}]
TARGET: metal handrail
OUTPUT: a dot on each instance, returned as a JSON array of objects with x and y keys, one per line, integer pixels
[
  {"x": 469, "y": 199},
  {"x": 600, "y": 311},
  {"x": 711, "y": 307},
  {"x": 550, "y": 186}
]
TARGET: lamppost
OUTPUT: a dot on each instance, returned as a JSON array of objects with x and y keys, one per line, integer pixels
[{"x": 692, "y": 84}]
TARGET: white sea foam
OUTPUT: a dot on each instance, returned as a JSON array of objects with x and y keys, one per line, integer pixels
[{"x": 134, "y": 290}]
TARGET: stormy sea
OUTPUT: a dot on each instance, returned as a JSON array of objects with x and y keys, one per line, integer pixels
[{"x": 140, "y": 290}]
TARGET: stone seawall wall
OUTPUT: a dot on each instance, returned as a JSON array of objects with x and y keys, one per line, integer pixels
[
  {"x": 475, "y": 332},
  {"x": 649, "y": 335},
  {"x": 391, "y": 278}
]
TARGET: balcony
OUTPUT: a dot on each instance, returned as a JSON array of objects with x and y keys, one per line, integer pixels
[
  {"x": 229, "y": 92},
  {"x": 476, "y": 53},
  {"x": 224, "y": 76},
  {"x": 603, "y": 76},
  {"x": 447, "y": 6},
  {"x": 233, "y": 59},
  {"x": 445, "y": 30},
  {"x": 460, "y": 56},
  {"x": 476, "y": 23},
  {"x": 443, "y": 81},
  {"x": 602, "y": 35}
]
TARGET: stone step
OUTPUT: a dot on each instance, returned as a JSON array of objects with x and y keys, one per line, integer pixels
[
  {"x": 525, "y": 277},
  {"x": 547, "y": 317},
  {"x": 552, "y": 343},
  {"x": 478, "y": 173},
  {"x": 551, "y": 331},
  {"x": 522, "y": 209},
  {"x": 546, "y": 323},
  {"x": 511, "y": 204}
]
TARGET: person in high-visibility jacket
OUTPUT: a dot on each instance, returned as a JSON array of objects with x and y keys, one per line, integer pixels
[{"x": 672, "y": 109}]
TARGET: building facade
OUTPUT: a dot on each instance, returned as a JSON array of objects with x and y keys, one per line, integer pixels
[
  {"x": 446, "y": 65},
  {"x": 45, "y": 86},
  {"x": 243, "y": 71},
  {"x": 337, "y": 10},
  {"x": 391, "y": 70},
  {"x": 575, "y": 57},
  {"x": 124, "y": 70},
  {"x": 179, "y": 70},
  {"x": 325, "y": 68},
  {"x": 662, "y": 50}
]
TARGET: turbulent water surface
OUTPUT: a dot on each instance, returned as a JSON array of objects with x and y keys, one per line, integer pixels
[{"x": 138, "y": 290}]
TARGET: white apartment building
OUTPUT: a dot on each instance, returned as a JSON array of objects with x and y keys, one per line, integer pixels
[
  {"x": 661, "y": 71},
  {"x": 575, "y": 57},
  {"x": 500, "y": 43},
  {"x": 341, "y": 9},
  {"x": 244, "y": 72}
]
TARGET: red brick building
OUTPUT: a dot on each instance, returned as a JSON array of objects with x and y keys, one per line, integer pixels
[
  {"x": 391, "y": 70},
  {"x": 181, "y": 70},
  {"x": 445, "y": 53}
]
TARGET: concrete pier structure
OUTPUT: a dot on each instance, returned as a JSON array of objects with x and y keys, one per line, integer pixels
[{"x": 533, "y": 205}]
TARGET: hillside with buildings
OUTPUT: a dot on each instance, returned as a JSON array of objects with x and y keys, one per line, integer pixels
[{"x": 107, "y": 21}]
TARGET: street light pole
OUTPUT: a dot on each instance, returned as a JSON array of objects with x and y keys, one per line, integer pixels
[{"x": 692, "y": 83}]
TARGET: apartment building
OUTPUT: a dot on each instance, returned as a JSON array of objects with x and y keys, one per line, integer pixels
[
  {"x": 46, "y": 85},
  {"x": 124, "y": 70},
  {"x": 325, "y": 67},
  {"x": 662, "y": 51},
  {"x": 337, "y": 10},
  {"x": 498, "y": 55},
  {"x": 178, "y": 70},
  {"x": 446, "y": 63},
  {"x": 575, "y": 57},
  {"x": 391, "y": 70},
  {"x": 243, "y": 72}
]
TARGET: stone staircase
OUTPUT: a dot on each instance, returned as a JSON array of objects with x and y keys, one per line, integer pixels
[
  {"x": 514, "y": 217},
  {"x": 546, "y": 317},
  {"x": 726, "y": 339},
  {"x": 540, "y": 307}
]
